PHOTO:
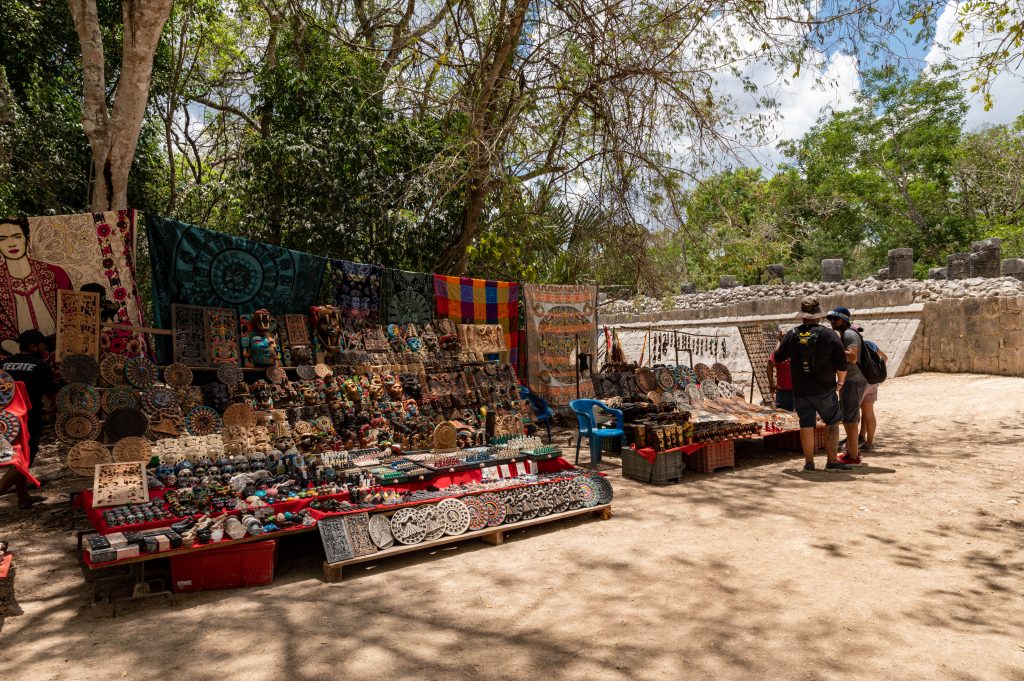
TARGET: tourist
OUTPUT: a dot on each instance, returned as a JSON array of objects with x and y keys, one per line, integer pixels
[
  {"x": 868, "y": 422},
  {"x": 816, "y": 359},
  {"x": 852, "y": 393},
  {"x": 29, "y": 367},
  {"x": 780, "y": 382}
]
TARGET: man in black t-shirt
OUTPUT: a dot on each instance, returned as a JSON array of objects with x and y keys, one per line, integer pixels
[
  {"x": 30, "y": 367},
  {"x": 816, "y": 359}
]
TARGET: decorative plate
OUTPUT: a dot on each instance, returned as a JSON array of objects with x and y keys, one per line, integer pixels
[
  {"x": 477, "y": 513},
  {"x": 587, "y": 491},
  {"x": 495, "y": 509},
  {"x": 710, "y": 390},
  {"x": 122, "y": 423},
  {"x": 10, "y": 426},
  {"x": 666, "y": 379},
  {"x": 405, "y": 526},
  {"x": 306, "y": 372},
  {"x": 322, "y": 371},
  {"x": 203, "y": 420},
  {"x": 603, "y": 489},
  {"x": 178, "y": 375},
  {"x": 118, "y": 398},
  {"x": 703, "y": 372},
  {"x": 140, "y": 372},
  {"x": 112, "y": 371},
  {"x": 645, "y": 380},
  {"x": 78, "y": 398},
  {"x": 445, "y": 436},
  {"x": 229, "y": 374},
  {"x": 73, "y": 428},
  {"x": 83, "y": 457},
  {"x": 655, "y": 397},
  {"x": 455, "y": 516},
  {"x": 546, "y": 498},
  {"x": 240, "y": 415},
  {"x": 514, "y": 509},
  {"x": 80, "y": 369},
  {"x": 694, "y": 394},
  {"x": 132, "y": 449},
  {"x": 431, "y": 520},
  {"x": 380, "y": 531},
  {"x": 277, "y": 375},
  {"x": 159, "y": 398},
  {"x": 7, "y": 388},
  {"x": 682, "y": 375},
  {"x": 721, "y": 372},
  {"x": 528, "y": 508},
  {"x": 561, "y": 497}
]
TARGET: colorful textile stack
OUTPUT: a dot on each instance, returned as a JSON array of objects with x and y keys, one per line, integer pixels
[
  {"x": 407, "y": 297},
  {"x": 357, "y": 289},
  {"x": 193, "y": 265},
  {"x": 481, "y": 301},
  {"x": 558, "y": 320}
]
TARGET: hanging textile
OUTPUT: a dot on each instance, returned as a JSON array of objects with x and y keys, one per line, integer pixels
[
  {"x": 558, "y": 320},
  {"x": 196, "y": 266},
  {"x": 357, "y": 289},
  {"x": 481, "y": 301},
  {"x": 89, "y": 251},
  {"x": 406, "y": 297}
]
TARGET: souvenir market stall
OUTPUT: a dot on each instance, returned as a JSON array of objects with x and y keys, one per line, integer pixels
[
  {"x": 388, "y": 418},
  {"x": 678, "y": 416}
]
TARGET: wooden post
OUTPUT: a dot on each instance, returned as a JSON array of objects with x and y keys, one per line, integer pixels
[
  {"x": 332, "y": 573},
  {"x": 494, "y": 539}
]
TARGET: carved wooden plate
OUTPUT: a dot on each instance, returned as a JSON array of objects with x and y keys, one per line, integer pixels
[
  {"x": 83, "y": 457},
  {"x": 112, "y": 370},
  {"x": 133, "y": 449}
]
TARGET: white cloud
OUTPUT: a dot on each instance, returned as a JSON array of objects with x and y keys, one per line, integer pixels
[{"x": 1007, "y": 88}]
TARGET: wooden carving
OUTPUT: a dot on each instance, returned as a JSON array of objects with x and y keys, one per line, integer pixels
[
  {"x": 78, "y": 324},
  {"x": 189, "y": 324}
]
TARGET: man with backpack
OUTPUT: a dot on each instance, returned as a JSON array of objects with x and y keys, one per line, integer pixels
[
  {"x": 816, "y": 358},
  {"x": 856, "y": 383}
]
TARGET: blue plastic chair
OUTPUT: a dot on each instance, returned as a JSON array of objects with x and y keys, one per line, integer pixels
[
  {"x": 584, "y": 410},
  {"x": 541, "y": 409}
]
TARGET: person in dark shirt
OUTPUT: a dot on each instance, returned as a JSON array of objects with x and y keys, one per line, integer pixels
[
  {"x": 30, "y": 367},
  {"x": 816, "y": 358}
]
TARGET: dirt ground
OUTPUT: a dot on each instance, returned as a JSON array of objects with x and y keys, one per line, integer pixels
[{"x": 909, "y": 568}]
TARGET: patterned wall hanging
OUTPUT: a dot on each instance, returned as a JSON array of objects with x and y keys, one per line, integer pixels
[
  {"x": 407, "y": 297},
  {"x": 557, "y": 317},
  {"x": 221, "y": 326},
  {"x": 78, "y": 324},
  {"x": 480, "y": 301},
  {"x": 189, "y": 324},
  {"x": 194, "y": 264},
  {"x": 357, "y": 289},
  {"x": 69, "y": 252}
]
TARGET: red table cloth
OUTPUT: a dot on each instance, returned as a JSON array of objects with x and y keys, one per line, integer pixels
[{"x": 19, "y": 406}]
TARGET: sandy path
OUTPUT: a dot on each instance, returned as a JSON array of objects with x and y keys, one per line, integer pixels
[{"x": 911, "y": 568}]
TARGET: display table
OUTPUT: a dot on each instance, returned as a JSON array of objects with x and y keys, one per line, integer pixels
[{"x": 19, "y": 406}]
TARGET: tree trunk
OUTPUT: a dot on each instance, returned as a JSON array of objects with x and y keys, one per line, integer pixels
[{"x": 114, "y": 134}]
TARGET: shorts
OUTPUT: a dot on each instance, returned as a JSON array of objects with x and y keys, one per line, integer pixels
[
  {"x": 850, "y": 398},
  {"x": 784, "y": 399},
  {"x": 825, "y": 405},
  {"x": 871, "y": 394}
]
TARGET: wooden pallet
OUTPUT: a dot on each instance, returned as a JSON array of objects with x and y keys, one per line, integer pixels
[{"x": 491, "y": 535}]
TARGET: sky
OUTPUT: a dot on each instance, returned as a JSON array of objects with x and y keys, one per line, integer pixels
[{"x": 831, "y": 81}]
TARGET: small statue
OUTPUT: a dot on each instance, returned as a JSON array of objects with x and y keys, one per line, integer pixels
[{"x": 259, "y": 347}]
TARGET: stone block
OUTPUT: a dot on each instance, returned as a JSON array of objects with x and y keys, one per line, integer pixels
[
  {"x": 727, "y": 281},
  {"x": 901, "y": 263},
  {"x": 883, "y": 273},
  {"x": 987, "y": 345},
  {"x": 1012, "y": 267},
  {"x": 687, "y": 287},
  {"x": 832, "y": 269},
  {"x": 937, "y": 273},
  {"x": 985, "y": 257},
  {"x": 776, "y": 273},
  {"x": 958, "y": 266}
]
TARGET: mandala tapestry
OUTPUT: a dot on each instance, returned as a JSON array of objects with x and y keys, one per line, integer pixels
[
  {"x": 194, "y": 265},
  {"x": 481, "y": 301},
  {"x": 407, "y": 297},
  {"x": 556, "y": 318},
  {"x": 357, "y": 289}
]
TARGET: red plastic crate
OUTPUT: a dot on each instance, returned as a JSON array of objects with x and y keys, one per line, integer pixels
[
  {"x": 231, "y": 567},
  {"x": 713, "y": 455},
  {"x": 790, "y": 440}
]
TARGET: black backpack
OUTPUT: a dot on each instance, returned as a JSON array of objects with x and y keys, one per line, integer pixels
[
  {"x": 806, "y": 354},
  {"x": 870, "y": 363}
]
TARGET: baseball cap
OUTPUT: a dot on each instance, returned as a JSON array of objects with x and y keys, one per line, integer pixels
[{"x": 839, "y": 313}]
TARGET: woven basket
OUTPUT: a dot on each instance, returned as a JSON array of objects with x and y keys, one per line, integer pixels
[{"x": 666, "y": 469}]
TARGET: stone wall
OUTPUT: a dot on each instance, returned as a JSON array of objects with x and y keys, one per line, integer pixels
[
  {"x": 978, "y": 335},
  {"x": 973, "y": 335}
]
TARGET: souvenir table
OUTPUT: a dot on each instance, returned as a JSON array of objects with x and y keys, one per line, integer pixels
[{"x": 14, "y": 424}]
